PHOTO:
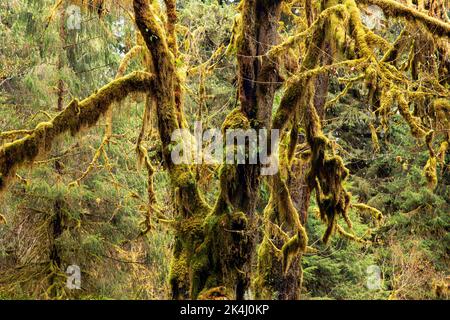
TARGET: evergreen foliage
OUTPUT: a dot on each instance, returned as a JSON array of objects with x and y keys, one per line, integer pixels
[{"x": 361, "y": 99}]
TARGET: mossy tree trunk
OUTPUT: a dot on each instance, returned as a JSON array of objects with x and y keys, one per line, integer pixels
[
  {"x": 191, "y": 207},
  {"x": 213, "y": 248},
  {"x": 279, "y": 258},
  {"x": 230, "y": 230}
]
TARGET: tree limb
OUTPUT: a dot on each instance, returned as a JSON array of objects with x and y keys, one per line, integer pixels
[
  {"x": 396, "y": 9},
  {"x": 76, "y": 116}
]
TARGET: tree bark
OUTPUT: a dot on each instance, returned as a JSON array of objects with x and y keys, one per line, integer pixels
[{"x": 230, "y": 232}]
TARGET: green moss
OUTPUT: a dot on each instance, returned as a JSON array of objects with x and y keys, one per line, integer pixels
[
  {"x": 442, "y": 151},
  {"x": 218, "y": 260},
  {"x": 293, "y": 247},
  {"x": 178, "y": 276},
  {"x": 269, "y": 258},
  {"x": 397, "y": 9},
  {"x": 374, "y": 212},
  {"x": 190, "y": 260},
  {"x": 430, "y": 172},
  {"x": 236, "y": 119},
  {"x": 216, "y": 293},
  {"x": 327, "y": 174},
  {"x": 2, "y": 219},
  {"x": 73, "y": 118}
]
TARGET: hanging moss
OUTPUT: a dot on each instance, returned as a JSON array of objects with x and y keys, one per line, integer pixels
[
  {"x": 385, "y": 106},
  {"x": 374, "y": 212},
  {"x": 281, "y": 210},
  {"x": 279, "y": 255},
  {"x": 327, "y": 173},
  {"x": 430, "y": 172},
  {"x": 279, "y": 269},
  {"x": 375, "y": 142},
  {"x": 416, "y": 127},
  {"x": 442, "y": 112},
  {"x": 218, "y": 293},
  {"x": 124, "y": 64},
  {"x": 357, "y": 27},
  {"x": 442, "y": 151},
  {"x": 76, "y": 116},
  {"x": 349, "y": 235},
  {"x": 397, "y": 9},
  {"x": 143, "y": 157}
]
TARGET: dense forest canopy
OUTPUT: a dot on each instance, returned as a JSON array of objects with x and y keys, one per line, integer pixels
[{"x": 347, "y": 102}]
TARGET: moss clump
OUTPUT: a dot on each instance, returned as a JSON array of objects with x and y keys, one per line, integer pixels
[
  {"x": 269, "y": 262},
  {"x": 188, "y": 261},
  {"x": 374, "y": 136},
  {"x": 374, "y": 212},
  {"x": 190, "y": 228},
  {"x": 217, "y": 293},
  {"x": 218, "y": 261},
  {"x": 430, "y": 172},
  {"x": 442, "y": 113},
  {"x": 442, "y": 151},
  {"x": 293, "y": 247},
  {"x": 179, "y": 274}
]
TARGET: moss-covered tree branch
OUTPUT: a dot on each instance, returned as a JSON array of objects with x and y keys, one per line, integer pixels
[
  {"x": 191, "y": 207},
  {"x": 396, "y": 9},
  {"x": 76, "y": 116}
]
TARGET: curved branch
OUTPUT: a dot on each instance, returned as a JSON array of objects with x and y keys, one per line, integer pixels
[
  {"x": 76, "y": 116},
  {"x": 396, "y": 9},
  {"x": 164, "y": 68}
]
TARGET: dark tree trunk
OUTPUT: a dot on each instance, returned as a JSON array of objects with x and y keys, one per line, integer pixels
[{"x": 230, "y": 233}]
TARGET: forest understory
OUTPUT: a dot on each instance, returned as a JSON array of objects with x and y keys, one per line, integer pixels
[{"x": 350, "y": 200}]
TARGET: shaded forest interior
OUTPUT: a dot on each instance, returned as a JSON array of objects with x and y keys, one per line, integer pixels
[{"x": 92, "y": 92}]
